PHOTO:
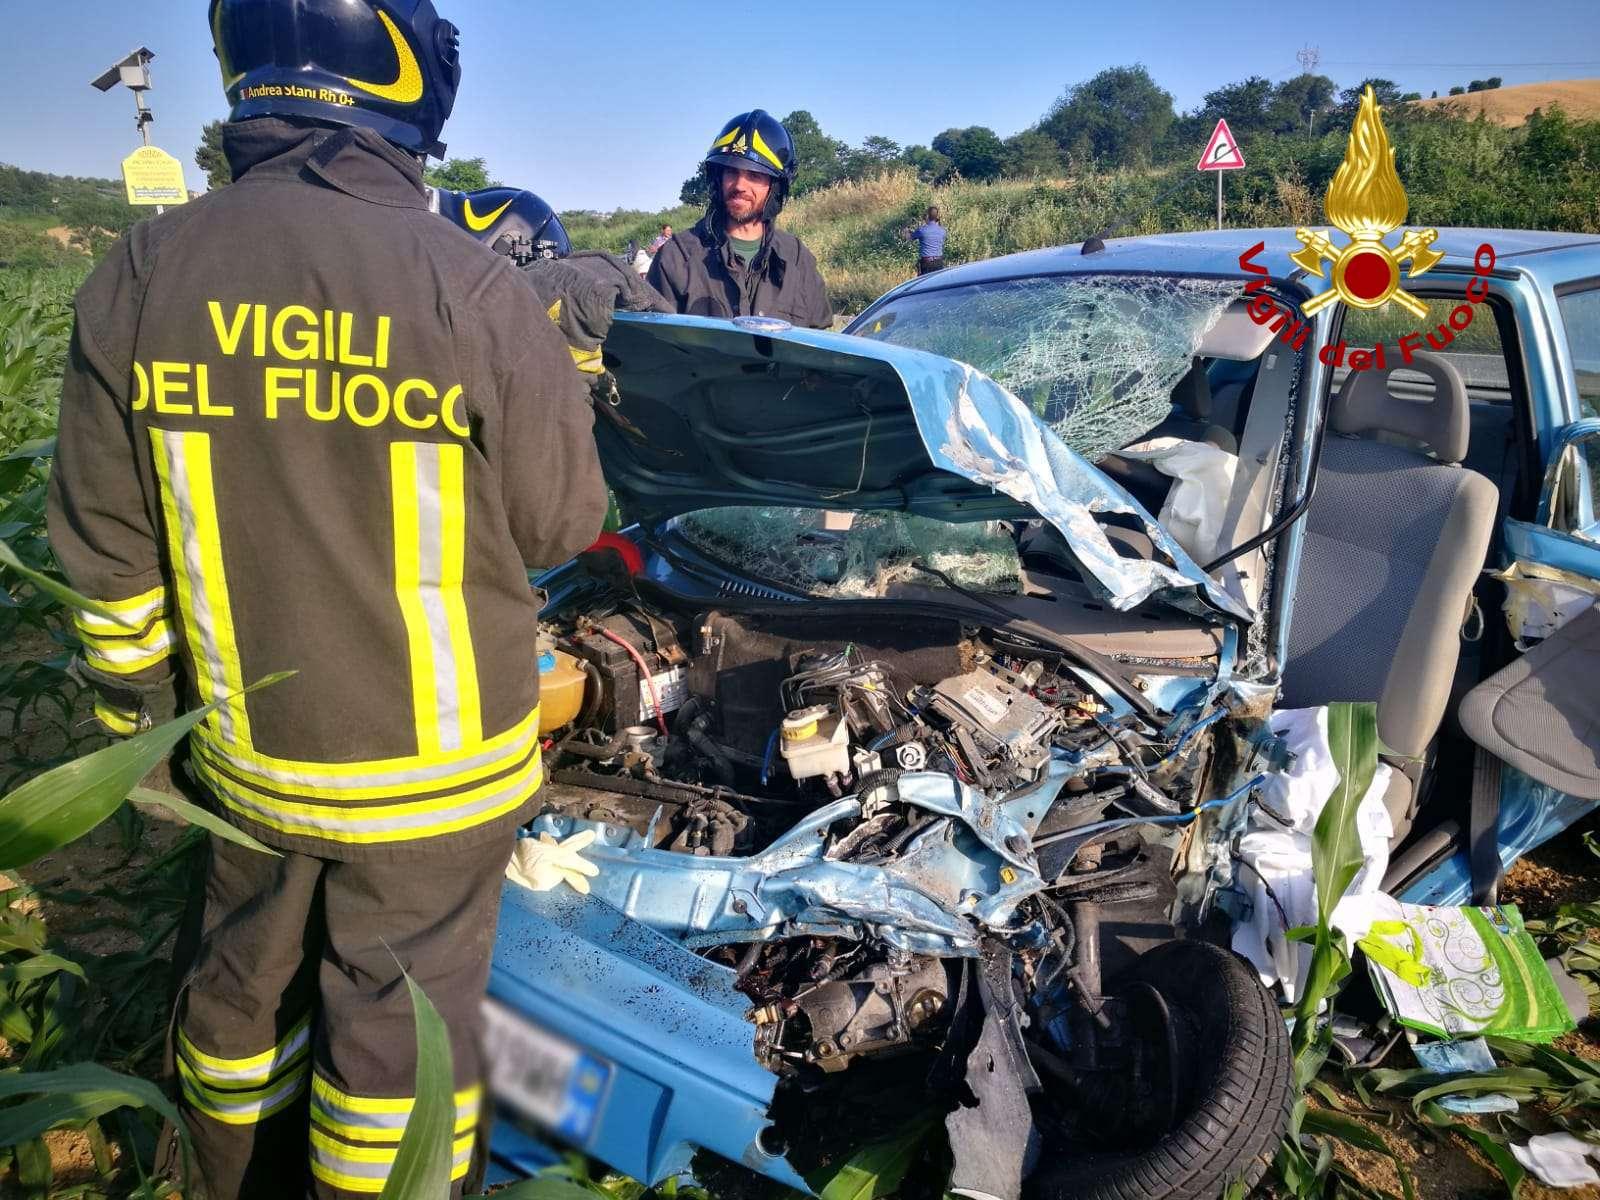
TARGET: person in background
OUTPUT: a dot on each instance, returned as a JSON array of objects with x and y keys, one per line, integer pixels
[
  {"x": 735, "y": 262},
  {"x": 661, "y": 240},
  {"x": 929, "y": 237}
]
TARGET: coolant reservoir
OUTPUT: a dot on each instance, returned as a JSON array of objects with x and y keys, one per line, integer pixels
[
  {"x": 561, "y": 684},
  {"x": 815, "y": 741}
]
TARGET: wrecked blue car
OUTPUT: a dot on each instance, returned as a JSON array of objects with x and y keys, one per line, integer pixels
[{"x": 928, "y": 700}]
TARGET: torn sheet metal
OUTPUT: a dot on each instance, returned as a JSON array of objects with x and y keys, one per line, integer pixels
[
  {"x": 958, "y": 876},
  {"x": 973, "y": 427}
]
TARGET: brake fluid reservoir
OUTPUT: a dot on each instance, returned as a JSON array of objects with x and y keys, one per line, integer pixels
[
  {"x": 561, "y": 684},
  {"x": 815, "y": 741}
]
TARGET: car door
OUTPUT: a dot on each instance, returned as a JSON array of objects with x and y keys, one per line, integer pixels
[{"x": 1538, "y": 718}]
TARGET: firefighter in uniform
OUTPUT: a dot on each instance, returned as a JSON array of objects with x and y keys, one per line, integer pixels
[
  {"x": 308, "y": 426},
  {"x": 736, "y": 262}
]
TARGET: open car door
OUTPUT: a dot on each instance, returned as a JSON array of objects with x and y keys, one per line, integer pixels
[{"x": 1540, "y": 714}]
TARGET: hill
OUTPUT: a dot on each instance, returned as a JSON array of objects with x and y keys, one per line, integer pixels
[{"x": 1511, "y": 106}]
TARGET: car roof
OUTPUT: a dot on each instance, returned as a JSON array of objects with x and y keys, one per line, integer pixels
[{"x": 1216, "y": 252}]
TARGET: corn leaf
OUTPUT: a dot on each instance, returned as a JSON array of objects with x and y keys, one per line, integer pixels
[
  {"x": 1347, "y": 1129},
  {"x": 1336, "y": 856},
  {"x": 56, "y": 590},
  {"x": 196, "y": 815},
  {"x": 63, "y": 804},
  {"x": 1512, "y": 1172},
  {"x": 876, "y": 1170},
  {"x": 80, "y": 1092},
  {"x": 422, "y": 1163},
  {"x": 38, "y": 967},
  {"x": 1506, "y": 1079}
]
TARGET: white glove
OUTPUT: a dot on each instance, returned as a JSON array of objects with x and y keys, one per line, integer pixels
[{"x": 541, "y": 864}]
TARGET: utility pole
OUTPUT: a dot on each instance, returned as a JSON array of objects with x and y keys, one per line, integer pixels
[
  {"x": 1310, "y": 57},
  {"x": 133, "y": 72}
]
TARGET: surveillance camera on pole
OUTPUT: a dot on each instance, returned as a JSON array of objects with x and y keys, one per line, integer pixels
[{"x": 152, "y": 176}]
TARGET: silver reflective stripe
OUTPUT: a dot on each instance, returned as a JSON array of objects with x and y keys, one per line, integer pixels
[
  {"x": 430, "y": 558},
  {"x": 156, "y": 647},
  {"x": 293, "y": 1045},
  {"x": 419, "y": 815},
  {"x": 211, "y": 1101},
  {"x": 136, "y": 618},
  {"x": 309, "y": 777},
  {"x": 201, "y": 618}
]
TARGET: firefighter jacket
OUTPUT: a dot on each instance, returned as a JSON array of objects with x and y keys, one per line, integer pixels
[
  {"x": 309, "y": 426},
  {"x": 698, "y": 273}
]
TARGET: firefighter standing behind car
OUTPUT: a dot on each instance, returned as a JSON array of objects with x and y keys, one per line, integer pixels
[
  {"x": 308, "y": 426},
  {"x": 735, "y": 262}
]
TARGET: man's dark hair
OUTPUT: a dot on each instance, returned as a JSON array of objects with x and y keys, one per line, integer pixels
[{"x": 933, "y": 213}]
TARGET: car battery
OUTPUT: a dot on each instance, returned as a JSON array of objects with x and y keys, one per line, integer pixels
[{"x": 624, "y": 698}]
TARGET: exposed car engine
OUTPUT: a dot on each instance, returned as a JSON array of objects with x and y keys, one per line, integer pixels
[{"x": 711, "y": 735}]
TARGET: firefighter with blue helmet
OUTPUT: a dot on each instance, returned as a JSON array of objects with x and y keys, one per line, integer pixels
[
  {"x": 736, "y": 262},
  {"x": 307, "y": 427},
  {"x": 509, "y": 221}
]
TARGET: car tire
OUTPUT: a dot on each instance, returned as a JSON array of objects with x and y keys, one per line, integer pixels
[{"x": 1239, "y": 1095}]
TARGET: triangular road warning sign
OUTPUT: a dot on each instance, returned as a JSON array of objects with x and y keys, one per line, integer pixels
[{"x": 1222, "y": 151}]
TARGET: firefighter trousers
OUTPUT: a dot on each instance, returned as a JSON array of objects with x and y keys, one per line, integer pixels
[{"x": 296, "y": 1046}]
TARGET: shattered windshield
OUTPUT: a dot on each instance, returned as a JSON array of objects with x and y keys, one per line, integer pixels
[
  {"x": 1096, "y": 356},
  {"x": 854, "y": 554}
]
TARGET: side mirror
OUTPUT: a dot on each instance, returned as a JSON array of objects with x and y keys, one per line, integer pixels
[{"x": 1570, "y": 502}]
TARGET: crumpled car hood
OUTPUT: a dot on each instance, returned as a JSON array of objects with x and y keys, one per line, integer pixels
[{"x": 712, "y": 413}]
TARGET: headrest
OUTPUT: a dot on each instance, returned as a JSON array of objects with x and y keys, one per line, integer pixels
[{"x": 1366, "y": 404}]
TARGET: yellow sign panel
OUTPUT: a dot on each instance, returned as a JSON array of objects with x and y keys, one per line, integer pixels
[{"x": 153, "y": 176}]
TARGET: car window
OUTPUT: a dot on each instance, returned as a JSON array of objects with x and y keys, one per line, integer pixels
[
  {"x": 1476, "y": 352},
  {"x": 854, "y": 554},
  {"x": 1580, "y": 317},
  {"x": 1095, "y": 356},
  {"x": 1575, "y": 492}
]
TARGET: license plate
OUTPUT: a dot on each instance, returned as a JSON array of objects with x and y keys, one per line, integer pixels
[{"x": 543, "y": 1076}]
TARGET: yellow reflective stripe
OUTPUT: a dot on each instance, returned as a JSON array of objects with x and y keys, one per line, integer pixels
[
  {"x": 764, "y": 150},
  {"x": 379, "y": 1119},
  {"x": 244, "y": 1107},
  {"x": 378, "y": 779},
  {"x": 120, "y": 721},
  {"x": 252, "y": 1068},
  {"x": 408, "y": 590},
  {"x": 127, "y": 656},
  {"x": 373, "y": 1184},
  {"x": 194, "y": 542},
  {"x": 428, "y": 494},
  {"x": 136, "y": 611},
  {"x": 453, "y": 529},
  {"x": 378, "y": 823},
  {"x": 374, "y": 1154},
  {"x": 587, "y": 361},
  {"x": 726, "y": 139}
]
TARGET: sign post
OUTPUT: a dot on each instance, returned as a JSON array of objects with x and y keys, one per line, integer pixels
[{"x": 1221, "y": 154}]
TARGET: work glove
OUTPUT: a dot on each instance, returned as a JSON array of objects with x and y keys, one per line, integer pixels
[
  {"x": 540, "y": 864},
  {"x": 582, "y": 292}
]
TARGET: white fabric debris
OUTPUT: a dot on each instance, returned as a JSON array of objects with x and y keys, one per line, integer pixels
[
  {"x": 1197, "y": 504},
  {"x": 1541, "y": 599},
  {"x": 1559, "y": 1160},
  {"x": 1276, "y": 852}
]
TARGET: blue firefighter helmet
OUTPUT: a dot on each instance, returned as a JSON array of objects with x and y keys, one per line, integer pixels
[
  {"x": 390, "y": 65},
  {"x": 510, "y": 221}
]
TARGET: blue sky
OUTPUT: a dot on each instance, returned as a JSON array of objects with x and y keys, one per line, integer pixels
[{"x": 603, "y": 105}]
